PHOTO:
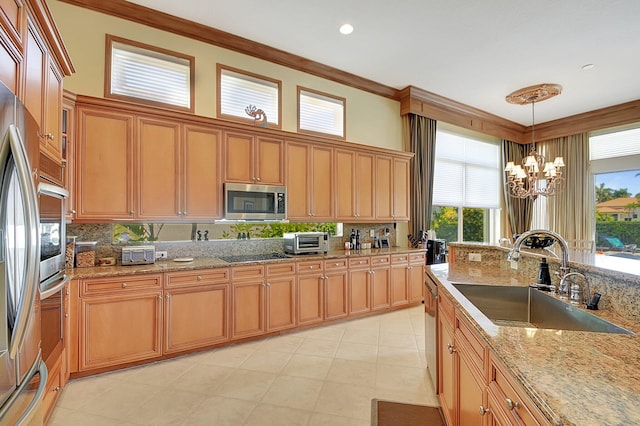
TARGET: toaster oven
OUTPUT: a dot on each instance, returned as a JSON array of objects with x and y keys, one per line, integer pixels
[
  {"x": 138, "y": 255},
  {"x": 306, "y": 242}
]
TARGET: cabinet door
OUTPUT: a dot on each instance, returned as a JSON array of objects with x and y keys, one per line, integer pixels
[
  {"x": 471, "y": 393},
  {"x": 248, "y": 306},
  {"x": 415, "y": 274},
  {"x": 158, "y": 177},
  {"x": 380, "y": 288},
  {"x": 400, "y": 189},
  {"x": 446, "y": 370},
  {"x": 297, "y": 161},
  {"x": 336, "y": 289},
  {"x": 10, "y": 59},
  {"x": 399, "y": 286},
  {"x": 68, "y": 156},
  {"x": 281, "y": 303},
  {"x": 104, "y": 163},
  {"x": 202, "y": 175},
  {"x": 195, "y": 317},
  {"x": 35, "y": 72},
  {"x": 321, "y": 183},
  {"x": 120, "y": 329},
  {"x": 268, "y": 161},
  {"x": 51, "y": 143},
  {"x": 310, "y": 298},
  {"x": 359, "y": 292},
  {"x": 345, "y": 182},
  {"x": 238, "y": 148},
  {"x": 12, "y": 16},
  {"x": 365, "y": 184},
  {"x": 384, "y": 188}
]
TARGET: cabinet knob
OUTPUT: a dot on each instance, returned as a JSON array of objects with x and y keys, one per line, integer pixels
[
  {"x": 73, "y": 211},
  {"x": 409, "y": 267},
  {"x": 66, "y": 315},
  {"x": 132, "y": 212},
  {"x": 199, "y": 277},
  {"x": 268, "y": 284},
  {"x": 57, "y": 389},
  {"x": 311, "y": 267},
  {"x": 337, "y": 264},
  {"x": 512, "y": 404},
  {"x": 168, "y": 296},
  {"x": 160, "y": 297},
  {"x": 124, "y": 285},
  {"x": 258, "y": 179},
  {"x": 452, "y": 350},
  {"x": 483, "y": 410}
]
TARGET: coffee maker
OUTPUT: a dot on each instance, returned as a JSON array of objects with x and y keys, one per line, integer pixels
[{"x": 436, "y": 251}]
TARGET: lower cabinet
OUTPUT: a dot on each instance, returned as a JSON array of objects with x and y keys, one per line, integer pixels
[
  {"x": 281, "y": 296},
  {"x": 336, "y": 280},
  {"x": 359, "y": 286},
  {"x": 248, "y": 301},
  {"x": 310, "y": 292},
  {"x": 380, "y": 283},
  {"x": 415, "y": 277}
]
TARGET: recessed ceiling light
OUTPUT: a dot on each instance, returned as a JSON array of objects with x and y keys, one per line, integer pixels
[
  {"x": 588, "y": 67},
  {"x": 346, "y": 29}
]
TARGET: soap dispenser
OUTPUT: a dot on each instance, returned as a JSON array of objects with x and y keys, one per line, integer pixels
[{"x": 543, "y": 273}]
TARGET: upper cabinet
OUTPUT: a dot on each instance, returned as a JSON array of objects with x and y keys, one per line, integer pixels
[
  {"x": 392, "y": 188},
  {"x": 354, "y": 177},
  {"x": 253, "y": 159}
]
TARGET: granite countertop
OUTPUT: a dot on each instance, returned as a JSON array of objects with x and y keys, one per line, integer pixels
[
  {"x": 213, "y": 262},
  {"x": 574, "y": 377}
]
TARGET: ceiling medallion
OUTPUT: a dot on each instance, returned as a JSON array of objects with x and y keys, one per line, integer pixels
[{"x": 535, "y": 93}]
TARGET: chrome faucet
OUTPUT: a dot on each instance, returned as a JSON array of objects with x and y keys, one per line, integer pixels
[
  {"x": 514, "y": 253},
  {"x": 573, "y": 292}
]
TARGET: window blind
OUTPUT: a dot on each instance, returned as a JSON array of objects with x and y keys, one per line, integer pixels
[
  {"x": 238, "y": 91},
  {"x": 153, "y": 76},
  {"x": 617, "y": 151},
  {"x": 321, "y": 114},
  {"x": 467, "y": 172}
]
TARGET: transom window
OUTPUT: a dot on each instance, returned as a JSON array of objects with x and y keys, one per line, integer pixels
[
  {"x": 147, "y": 74},
  {"x": 321, "y": 113},
  {"x": 239, "y": 90}
]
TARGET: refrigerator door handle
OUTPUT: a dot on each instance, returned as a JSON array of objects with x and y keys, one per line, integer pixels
[
  {"x": 38, "y": 367},
  {"x": 32, "y": 243}
]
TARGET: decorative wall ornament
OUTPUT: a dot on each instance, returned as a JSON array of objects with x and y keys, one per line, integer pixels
[{"x": 259, "y": 116}]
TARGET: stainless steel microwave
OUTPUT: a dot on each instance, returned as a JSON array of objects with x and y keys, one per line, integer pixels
[{"x": 254, "y": 202}]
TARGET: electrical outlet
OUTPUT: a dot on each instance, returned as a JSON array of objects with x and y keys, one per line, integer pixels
[
  {"x": 514, "y": 265},
  {"x": 372, "y": 233},
  {"x": 475, "y": 257},
  {"x": 161, "y": 255}
]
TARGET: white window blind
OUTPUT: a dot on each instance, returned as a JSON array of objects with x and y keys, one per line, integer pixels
[
  {"x": 238, "y": 91},
  {"x": 322, "y": 114},
  {"x": 150, "y": 75},
  {"x": 467, "y": 172},
  {"x": 616, "y": 151}
]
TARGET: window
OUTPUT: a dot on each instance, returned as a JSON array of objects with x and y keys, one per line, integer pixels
[
  {"x": 238, "y": 90},
  {"x": 615, "y": 156},
  {"x": 141, "y": 73},
  {"x": 320, "y": 113},
  {"x": 466, "y": 189}
]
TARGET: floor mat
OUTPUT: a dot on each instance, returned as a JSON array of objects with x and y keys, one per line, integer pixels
[{"x": 386, "y": 413}]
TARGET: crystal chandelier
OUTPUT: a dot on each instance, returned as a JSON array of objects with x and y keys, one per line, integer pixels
[{"x": 535, "y": 176}]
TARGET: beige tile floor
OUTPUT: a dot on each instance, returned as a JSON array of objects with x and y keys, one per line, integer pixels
[{"x": 322, "y": 376}]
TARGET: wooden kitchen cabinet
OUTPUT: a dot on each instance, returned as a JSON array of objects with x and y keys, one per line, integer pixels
[
  {"x": 359, "y": 285},
  {"x": 392, "y": 188},
  {"x": 120, "y": 320},
  {"x": 12, "y": 28},
  {"x": 196, "y": 309},
  {"x": 253, "y": 159},
  {"x": 354, "y": 177},
  {"x": 445, "y": 360},
  {"x": 336, "y": 282},
  {"x": 415, "y": 277},
  {"x": 380, "y": 282},
  {"x": 399, "y": 279},
  {"x": 248, "y": 301},
  {"x": 309, "y": 181},
  {"x": 281, "y": 296},
  {"x": 310, "y": 287},
  {"x": 104, "y": 165},
  {"x": 68, "y": 153}
]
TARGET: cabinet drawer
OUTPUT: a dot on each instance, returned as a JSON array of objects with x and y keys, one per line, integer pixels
[
  {"x": 417, "y": 258},
  {"x": 287, "y": 268},
  {"x": 472, "y": 344},
  {"x": 335, "y": 264},
  {"x": 400, "y": 259},
  {"x": 380, "y": 260},
  {"x": 511, "y": 398},
  {"x": 247, "y": 272},
  {"x": 359, "y": 262},
  {"x": 125, "y": 283},
  {"x": 191, "y": 278},
  {"x": 309, "y": 266}
]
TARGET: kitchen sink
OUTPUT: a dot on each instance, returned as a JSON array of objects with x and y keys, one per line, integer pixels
[{"x": 529, "y": 307}]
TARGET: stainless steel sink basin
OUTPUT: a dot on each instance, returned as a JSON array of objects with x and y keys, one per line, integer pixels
[{"x": 528, "y": 307}]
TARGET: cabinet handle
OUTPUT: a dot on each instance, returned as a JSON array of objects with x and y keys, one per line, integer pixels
[
  {"x": 124, "y": 285},
  {"x": 483, "y": 410},
  {"x": 452, "y": 350},
  {"x": 512, "y": 404}
]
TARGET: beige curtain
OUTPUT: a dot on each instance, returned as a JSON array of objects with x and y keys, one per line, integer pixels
[
  {"x": 516, "y": 212},
  {"x": 419, "y": 137},
  {"x": 570, "y": 212}
]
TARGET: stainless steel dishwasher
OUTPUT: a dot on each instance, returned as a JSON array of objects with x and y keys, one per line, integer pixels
[{"x": 431, "y": 309}]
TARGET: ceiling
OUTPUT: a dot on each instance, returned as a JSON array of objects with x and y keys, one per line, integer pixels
[{"x": 473, "y": 52}]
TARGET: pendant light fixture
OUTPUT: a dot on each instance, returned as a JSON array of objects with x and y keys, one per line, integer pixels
[{"x": 535, "y": 176}]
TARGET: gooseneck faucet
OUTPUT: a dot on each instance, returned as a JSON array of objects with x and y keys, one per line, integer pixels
[{"x": 514, "y": 253}]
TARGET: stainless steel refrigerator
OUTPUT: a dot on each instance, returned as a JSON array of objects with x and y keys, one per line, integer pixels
[{"x": 23, "y": 374}]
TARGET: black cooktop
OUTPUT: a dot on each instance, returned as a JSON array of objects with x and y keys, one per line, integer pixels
[{"x": 252, "y": 257}]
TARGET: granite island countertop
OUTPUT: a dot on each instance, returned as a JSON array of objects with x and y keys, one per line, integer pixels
[
  {"x": 574, "y": 377},
  {"x": 171, "y": 265}
]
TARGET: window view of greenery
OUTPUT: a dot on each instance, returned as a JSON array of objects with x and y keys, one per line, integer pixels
[
  {"x": 446, "y": 222},
  {"x": 146, "y": 232},
  {"x": 618, "y": 214}
]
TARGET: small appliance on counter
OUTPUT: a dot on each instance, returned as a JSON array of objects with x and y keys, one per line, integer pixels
[
  {"x": 138, "y": 255},
  {"x": 306, "y": 242},
  {"x": 436, "y": 251}
]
